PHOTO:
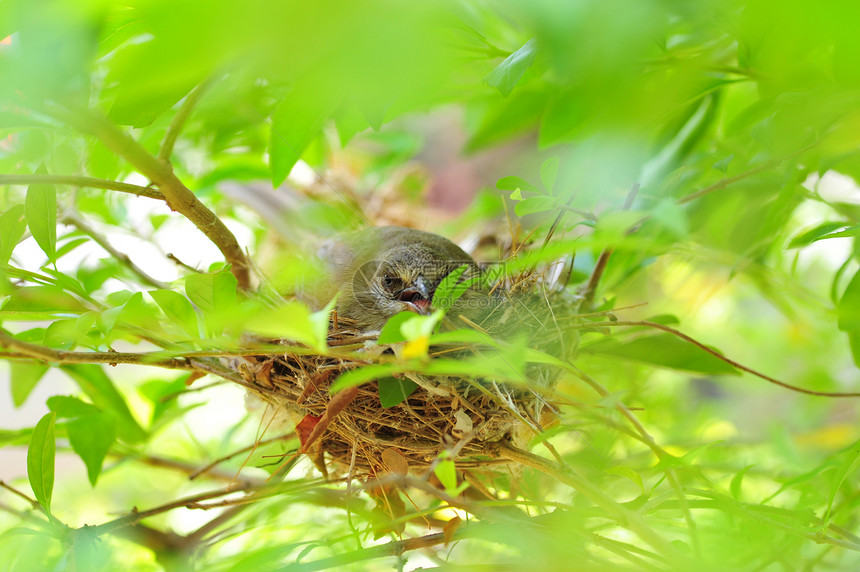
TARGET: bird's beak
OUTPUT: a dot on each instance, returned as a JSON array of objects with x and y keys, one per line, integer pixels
[{"x": 418, "y": 296}]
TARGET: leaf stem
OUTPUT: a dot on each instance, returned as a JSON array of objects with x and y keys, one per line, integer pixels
[{"x": 76, "y": 221}]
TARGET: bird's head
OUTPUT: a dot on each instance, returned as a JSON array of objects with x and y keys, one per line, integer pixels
[
  {"x": 392, "y": 270},
  {"x": 404, "y": 278}
]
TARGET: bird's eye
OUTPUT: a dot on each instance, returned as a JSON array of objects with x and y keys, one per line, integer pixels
[{"x": 390, "y": 282}]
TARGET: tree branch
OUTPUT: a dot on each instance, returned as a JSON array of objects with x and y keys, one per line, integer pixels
[
  {"x": 721, "y": 184},
  {"x": 33, "y": 351},
  {"x": 76, "y": 221},
  {"x": 179, "y": 120},
  {"x": 76, "y": 181},
  {"x": 176, "y": 194},
  {"x": 189, "y": 502}
]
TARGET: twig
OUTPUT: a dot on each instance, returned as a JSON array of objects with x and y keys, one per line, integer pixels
[
  {"x": 181, "y": 264},
  {"x": 197, "y": 536},
  {"x": 721, "y": 357},
  {"x": 180, "y": 118},
  {"x": 76, "y": 221},
  {"x": 177, "y": 196},
  {"x": 204, "y": 470},
  {"x": 623, "y": 515},
  {"x": 187, "y": 502},
  {"x": 58, "y": 356},
  {"x": 658, "y": 451},
  {"x": 33, "y": 502},
  {"x": 76, "y": 181},
  {"x": 729, "y": 180},
  {"x": 394, "y": 548},
  {"x": 183, "y": 467},
  {"x": 603, "y": 259}
]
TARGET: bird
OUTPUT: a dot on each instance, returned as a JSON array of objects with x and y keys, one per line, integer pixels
[{"x": 381, "y": 271}]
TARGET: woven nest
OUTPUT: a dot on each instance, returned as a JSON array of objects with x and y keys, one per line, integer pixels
[{"x": 451, "y": 413}]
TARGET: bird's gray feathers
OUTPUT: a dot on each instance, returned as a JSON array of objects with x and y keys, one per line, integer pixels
[{"x": 379, "y": 272}]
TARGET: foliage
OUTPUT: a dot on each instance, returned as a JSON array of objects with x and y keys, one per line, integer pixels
[{"x": 693, "y": 156}]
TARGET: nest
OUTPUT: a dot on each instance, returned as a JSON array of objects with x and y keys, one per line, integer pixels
[{"x": 352, "y": 432}]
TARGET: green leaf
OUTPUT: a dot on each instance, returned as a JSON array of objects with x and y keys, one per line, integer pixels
[
  {"x": 549, "y": 172},
  {"x": 420, "y": 326},
  {"x": 110, "y": 316},
  {"x": 91, "y": 437},
  {"x": 40, "y": 460},
  {"x": 292, "y": 321},
  {"x": 723, "y": 164},
  {"x": 508, "y": 73},
  {"x": 95, "y": 383},
  {"x": 24, "y": 377},
  {"x": 70, "y": 245},
  {"x": 162, "y": 395},
  {"x": 736, "y": 486},
  {"x": 297, "y": 121},
  {"x": 42, "y": 299},
  {"x": 362, "y": 374},
  {"x": 12, "y": 227},
  {"x": 514, "y": 183},
  {"x": 390, "y": 333},
  {"x": 91, "y": 431},
  {"x": 393, "y": 390},
  {"x": 148, "y": 82},
  {"x": 67, "y": 406},
  {"x": 664, "y": 350},
  {"x": 854, "y": 344},
  {"x": 627, "y": 473},
  {"x": 672, "y": 217},
  {"x": 809, "y": 236},
  {"x": 534, "y": 205},
  {"x": 215, "y": 295},
  {"x": 212, "y": 292},
  {"x": 178, "y": 309},
  {"x": 40, "y": 208},
  {"x": 848, "y": 309},
  {"x": 847, "y": 464},
  {"x": 61, "y": 334},
  {"x": 849, "y": 232},
  {"x": 446, "y": 472}
]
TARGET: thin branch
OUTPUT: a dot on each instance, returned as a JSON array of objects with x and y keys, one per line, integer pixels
[
  {"x": 33, "y": 502},
  {"x": 723, "y": 183},
  {"x": 730, "y": 180},
  {"x": 182, "y": 467},
  {"x": 626, "y": 517},
  {"x": 200, "y": 533},
  {"x": 727, "y": 360},
  {"x": 658, "y": 451},
  {"x": 181, "y": 264},
  {"x": 188, "y": 502},
  {"x": 394, "y": 548},
  {"x": 75, "y": 181},
  {"x": 76, "y": 221},
  {"x": 603, "y": 259},
  {"x": 33, "y": 351},
  {"x": 208, "y": 468},
  {"x": 177, "y": 196},
  {"x": 180, "y": 118}
]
